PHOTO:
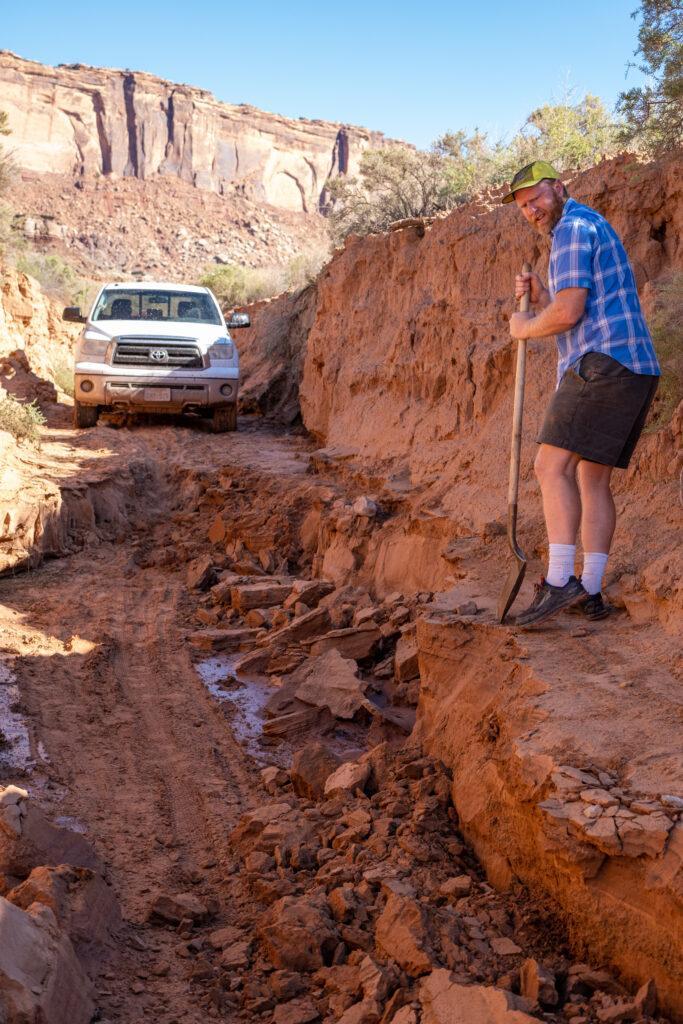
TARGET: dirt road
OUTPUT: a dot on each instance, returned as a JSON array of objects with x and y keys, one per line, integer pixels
[
  {"x": 133, "y": 745},
  {"x": 127, "y": 743}
]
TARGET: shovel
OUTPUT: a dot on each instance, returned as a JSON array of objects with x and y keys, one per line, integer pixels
[{"x": 517, "y": 570}]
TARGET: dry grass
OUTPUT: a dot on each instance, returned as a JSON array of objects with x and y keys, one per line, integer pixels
[
  {"x": 21, "y": 420},
  {"x": 62, "y": 373}
]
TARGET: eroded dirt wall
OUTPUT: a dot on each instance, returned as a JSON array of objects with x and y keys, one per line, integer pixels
[
  {"x": 410, "y": 350},
  {"x": 408, "y": 374},
  {"x": 32, "y": 322}
]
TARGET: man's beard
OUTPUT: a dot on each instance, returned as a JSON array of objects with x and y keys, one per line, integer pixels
[{"x": 551, "y": 216}]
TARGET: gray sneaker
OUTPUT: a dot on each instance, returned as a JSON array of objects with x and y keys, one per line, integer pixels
[
  {"x": 549, "y": 600},
  {"x": 592, "y": 606}
]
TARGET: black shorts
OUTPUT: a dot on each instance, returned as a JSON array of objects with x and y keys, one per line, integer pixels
[{"x": 599, "y": 410}]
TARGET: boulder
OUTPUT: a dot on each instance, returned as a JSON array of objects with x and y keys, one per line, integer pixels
[
  {"x": 406, "y": 1015},
  {"x": 227, "y": 640},
  {"x": 200, "y": 573},
  {"x": 311, "y": 767},
  {"x": 402, "y": 933},
  {"x": 170, "y": 909},
  {"x": 537, "y": 984},
  {"x": 259, "y": 595},
  {"x": 366, "y": 1012},
  {"x": 405, "y": 663},
  {"x": 309, "y": 592},
  {"x": 301, "y": 628},
  {"x": 298, "y": 934},
  {"x": 347, "y": 778},
  {"x": 365, "y": 507},
  {"x": 84, "y": 905},
  {"x": 296, "y": 1011},
  {"x": 252, "y": 824},
  {"x": 28, "y": 839},
  {"x": 444, "y": 1001},
  {"x": 459, "y": 885},
  {"x": 330, "y": 681},
  {"x": 40, "y": 978},
  {"x": 357, "y": 642}
]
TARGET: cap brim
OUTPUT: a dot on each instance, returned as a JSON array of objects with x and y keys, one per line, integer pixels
[{"x": 508, "y": 198}]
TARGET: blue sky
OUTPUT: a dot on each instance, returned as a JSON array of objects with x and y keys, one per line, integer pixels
[{"x": 412, "y": 70}]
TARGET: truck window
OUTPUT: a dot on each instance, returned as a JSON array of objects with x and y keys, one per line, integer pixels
[{"x": 142, "y": 304}]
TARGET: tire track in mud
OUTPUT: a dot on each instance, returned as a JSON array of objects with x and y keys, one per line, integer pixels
[{"x": 150, "y": 763}]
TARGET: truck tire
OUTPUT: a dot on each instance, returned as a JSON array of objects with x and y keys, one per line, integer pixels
[
  {"x": 224, "y": 419},
  {"x": 85, "y": 415}
]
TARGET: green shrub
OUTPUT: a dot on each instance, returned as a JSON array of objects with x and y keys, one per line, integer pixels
[
  {"x": 236, "y": 285},
  {"x": 53, "y": 274},
  {"x": 398, "y": 182},
  {"x": 22, "y": 420},
  {"x": 393, "y": 183},
  {"x": 667, "y": 333}
]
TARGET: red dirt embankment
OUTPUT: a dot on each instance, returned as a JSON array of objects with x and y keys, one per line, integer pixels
[{"x": 565, "y": 744}]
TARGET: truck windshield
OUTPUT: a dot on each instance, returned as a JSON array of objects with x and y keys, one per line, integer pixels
[{"x": 141, "y": 304}]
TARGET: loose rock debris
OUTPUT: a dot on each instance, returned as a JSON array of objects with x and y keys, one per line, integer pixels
[{"x": 350, "y": 894}]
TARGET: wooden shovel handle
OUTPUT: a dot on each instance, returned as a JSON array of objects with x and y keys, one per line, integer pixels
[{"x": 518, "y": 409}]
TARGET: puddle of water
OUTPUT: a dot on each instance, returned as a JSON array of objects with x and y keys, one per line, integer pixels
[
  {"x": 247, "y": 696},
  {"x": 73, "y": 824},
  {"x": 15, "y": 748}
]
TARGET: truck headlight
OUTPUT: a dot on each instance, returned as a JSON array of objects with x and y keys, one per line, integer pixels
[
  {"x": 222, "y": 350},
  {"x": 94, "y": 344}
]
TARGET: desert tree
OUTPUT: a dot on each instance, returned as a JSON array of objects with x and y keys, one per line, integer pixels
[{"x": 653, "y": 112}]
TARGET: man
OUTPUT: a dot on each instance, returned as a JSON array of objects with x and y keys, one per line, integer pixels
[{"x": 607, "y": 376}]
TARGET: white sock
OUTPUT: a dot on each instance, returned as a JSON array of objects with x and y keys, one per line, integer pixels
[
  {"x": 560, "y": 564},
  {"x": 594, "y": 563}
]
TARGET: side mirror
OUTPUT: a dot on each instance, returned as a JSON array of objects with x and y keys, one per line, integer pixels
[
  {"x": 73, "y": 315},
  {"x": 239, "y": 320}
]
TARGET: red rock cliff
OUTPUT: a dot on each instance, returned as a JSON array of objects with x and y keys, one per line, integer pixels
[{"x": 80, "y": 120}]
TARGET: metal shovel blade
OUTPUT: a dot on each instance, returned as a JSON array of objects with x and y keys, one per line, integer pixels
[{"x": 513, "y": 582}]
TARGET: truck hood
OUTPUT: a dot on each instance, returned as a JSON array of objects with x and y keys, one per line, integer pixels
[{"x": 203, "y": 334}]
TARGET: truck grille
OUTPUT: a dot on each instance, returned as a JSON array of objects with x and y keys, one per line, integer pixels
[{"x": 153, "y": 352}]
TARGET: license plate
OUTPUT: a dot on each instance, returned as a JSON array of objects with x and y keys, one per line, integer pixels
[{"x": 157, "y": 394}]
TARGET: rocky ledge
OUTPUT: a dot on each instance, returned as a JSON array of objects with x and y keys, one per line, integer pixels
[{"x": 554, "y": 791}]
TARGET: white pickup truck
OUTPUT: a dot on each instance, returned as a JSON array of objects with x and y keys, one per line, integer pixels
[{"x": 156, "y": 347}]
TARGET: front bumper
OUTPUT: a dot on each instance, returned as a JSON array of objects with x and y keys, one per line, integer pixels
[{"x": 160, "y": 392}]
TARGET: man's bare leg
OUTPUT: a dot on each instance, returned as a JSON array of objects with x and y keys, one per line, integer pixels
[
  {"x": 598, "y": 514},
  {"x": 556, "y": 473},
  {"x": 598, "y": 520}
]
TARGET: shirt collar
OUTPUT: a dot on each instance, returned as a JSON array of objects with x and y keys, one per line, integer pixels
[{"x": 567, "y": 208}]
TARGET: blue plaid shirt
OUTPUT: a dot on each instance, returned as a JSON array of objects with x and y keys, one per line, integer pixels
[{"x": 587, "y": 253}]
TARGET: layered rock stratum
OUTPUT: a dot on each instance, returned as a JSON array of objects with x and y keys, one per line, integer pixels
[{"x": 79, "y": 120}]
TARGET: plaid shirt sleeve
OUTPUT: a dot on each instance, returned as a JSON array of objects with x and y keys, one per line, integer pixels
[{"x": 572, "y": 257}]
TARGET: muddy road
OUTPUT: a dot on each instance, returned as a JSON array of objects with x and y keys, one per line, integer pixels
[{"x": 123, "y": 742}]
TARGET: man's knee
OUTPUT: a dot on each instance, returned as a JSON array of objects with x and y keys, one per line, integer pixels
[
  {"x": 593, "y": 476},
  {"x": 554, "y": 464}
]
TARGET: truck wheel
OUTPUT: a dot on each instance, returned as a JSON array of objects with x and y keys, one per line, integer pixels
[
  {"x": 85, "y": 415},
  {"x": 224, "y": 419}
]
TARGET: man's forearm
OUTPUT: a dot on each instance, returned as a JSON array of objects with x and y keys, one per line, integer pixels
[
  {"x": 544, "y": 300},
  {"x": 553, "y": 319}
]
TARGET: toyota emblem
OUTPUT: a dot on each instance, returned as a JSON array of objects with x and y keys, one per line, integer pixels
[{"x": 159, "y": 355}]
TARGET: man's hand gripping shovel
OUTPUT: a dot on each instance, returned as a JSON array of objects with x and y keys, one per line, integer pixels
[{"x": 517, "y": 570}]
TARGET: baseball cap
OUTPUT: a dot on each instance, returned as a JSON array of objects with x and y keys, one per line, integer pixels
[{"x": 530, "y": 175}]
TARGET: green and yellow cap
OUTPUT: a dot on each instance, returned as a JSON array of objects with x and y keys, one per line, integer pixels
[{"x": 530, "y": 175}]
